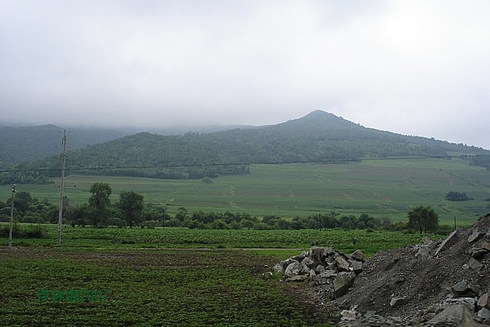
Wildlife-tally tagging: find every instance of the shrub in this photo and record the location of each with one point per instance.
(32, 231)
(457, 196)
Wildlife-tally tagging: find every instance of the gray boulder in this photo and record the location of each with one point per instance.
(453, 315)
(343, 282)
(293, 269)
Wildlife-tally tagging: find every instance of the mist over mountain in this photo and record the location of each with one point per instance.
(316, 137)
(21, 144)
(30, 143)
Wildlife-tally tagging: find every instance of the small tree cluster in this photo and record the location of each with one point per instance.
(29, 210)
(423, 219)
(229, 220)
(100, 212)
(457, 196)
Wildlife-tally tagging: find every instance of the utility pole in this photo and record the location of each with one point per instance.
(62, 188)
(11, 217)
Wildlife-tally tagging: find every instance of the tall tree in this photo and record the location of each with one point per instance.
(423, 218)
(22, 203)
(131, 206)
(99, 202)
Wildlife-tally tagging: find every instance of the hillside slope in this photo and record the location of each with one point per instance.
(316, 137)
(26, 144)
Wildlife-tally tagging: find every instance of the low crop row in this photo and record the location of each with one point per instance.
(369, 241)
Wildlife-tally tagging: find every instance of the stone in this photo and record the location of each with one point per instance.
(319, 269)
(475, 236)
(325, 277)
(316, 253)
(342, 264)
(331, 266)
(475, 264)
(462, 289)
(426, 241)
(358, 255)
(312, 274)
(343, 282)
(287, 262)
(301, 256)
(484, 301)
(293, 269)
(484, 314)
(328, 251)
(478, 253)
(486, 246)
(448, 242)
(398, 301)
(357, 266)
(452, 315)
(330, 273)
(423, 251)
(350, 314)
(278, 268)
(309, 262)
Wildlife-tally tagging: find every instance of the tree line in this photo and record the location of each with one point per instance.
(130, 210)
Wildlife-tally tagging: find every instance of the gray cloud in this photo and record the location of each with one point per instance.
(413, 67)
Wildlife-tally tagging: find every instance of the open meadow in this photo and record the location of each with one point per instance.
(167, 276)
(380, 188)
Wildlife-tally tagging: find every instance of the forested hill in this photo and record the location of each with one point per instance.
(25, 144)
(317, 137)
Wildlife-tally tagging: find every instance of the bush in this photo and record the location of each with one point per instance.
(150, 224)
(457, 196)
(118, 222)
(444, 229)
(32, 231)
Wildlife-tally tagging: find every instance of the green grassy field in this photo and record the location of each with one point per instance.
(278, 242)
(381, 188)
(167, 276)
(185, 277)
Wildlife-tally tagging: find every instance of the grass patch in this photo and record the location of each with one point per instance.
(369, 241)
(380, 188)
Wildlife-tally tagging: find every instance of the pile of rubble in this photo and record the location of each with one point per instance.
(330, 270)
(437, 283)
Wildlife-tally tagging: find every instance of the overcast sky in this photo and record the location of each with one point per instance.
(417, 67)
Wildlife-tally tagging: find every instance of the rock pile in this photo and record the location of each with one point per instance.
(333, 270)
(431, 284)
(436, 283)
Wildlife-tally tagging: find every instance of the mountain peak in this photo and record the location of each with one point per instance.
(320, 120)
(324, 115)
(319, 113)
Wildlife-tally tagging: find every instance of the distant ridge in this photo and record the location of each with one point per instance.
(25, 144)
(317, 137)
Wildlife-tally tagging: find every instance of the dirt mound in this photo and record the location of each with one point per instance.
(407, 282)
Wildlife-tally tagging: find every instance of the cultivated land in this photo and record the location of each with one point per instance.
(167, 276)
(381, 188)
(191, 277)
(282, 243)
